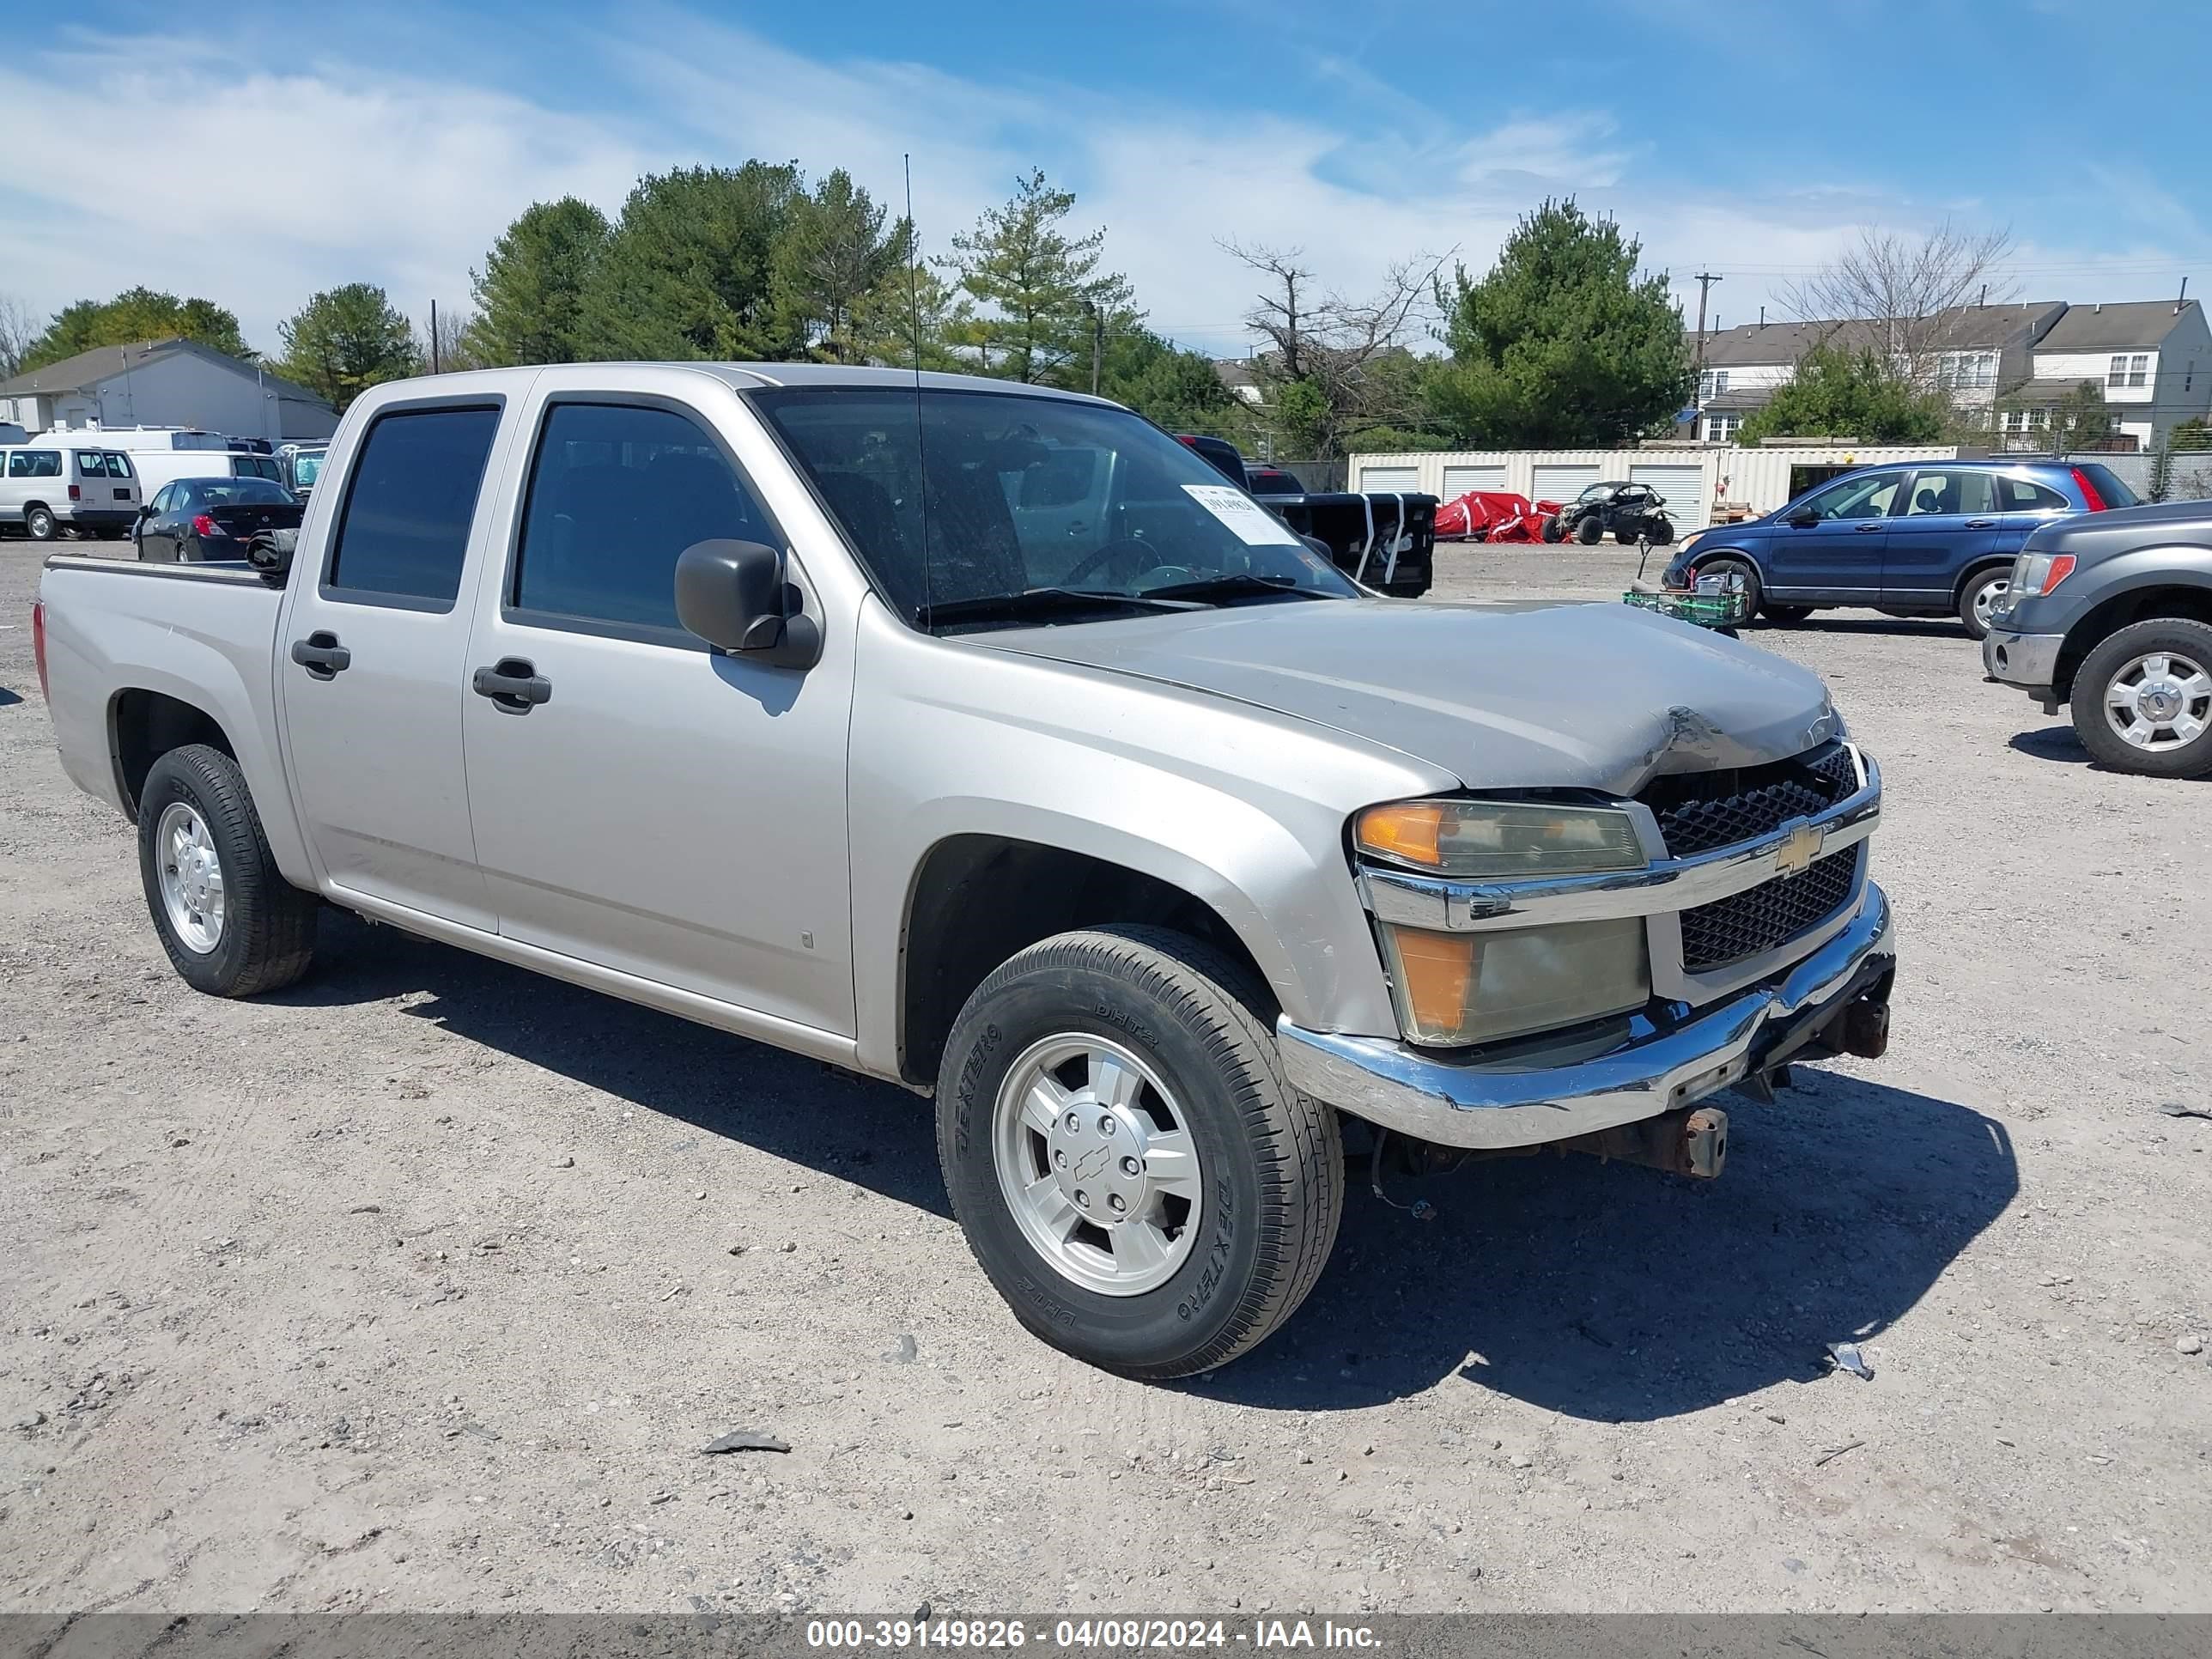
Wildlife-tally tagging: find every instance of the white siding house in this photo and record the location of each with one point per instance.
(2152, 360)
(166, 383)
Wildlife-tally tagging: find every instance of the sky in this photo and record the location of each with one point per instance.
(253, 153)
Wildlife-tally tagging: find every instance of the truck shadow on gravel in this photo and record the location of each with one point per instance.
(1617, 1294)
(871, 1133)
(2051, 743)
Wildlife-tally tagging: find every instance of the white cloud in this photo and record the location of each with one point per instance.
(256, 188)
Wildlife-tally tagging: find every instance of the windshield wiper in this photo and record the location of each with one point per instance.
(1038, 602)
(1217, 590)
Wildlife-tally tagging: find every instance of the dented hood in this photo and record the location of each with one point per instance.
(1579, 696)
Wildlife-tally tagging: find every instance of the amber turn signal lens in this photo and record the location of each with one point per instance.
(1437, 968)
(1408, 830)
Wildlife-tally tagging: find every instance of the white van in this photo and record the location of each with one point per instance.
(51, 485)
(157, 467)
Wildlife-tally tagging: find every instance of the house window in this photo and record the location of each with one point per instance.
(1719, 429)
(1711, 381)
(2128, 368)
(1968, 369)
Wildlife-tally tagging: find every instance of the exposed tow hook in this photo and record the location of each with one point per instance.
(1690, 1142)
(1866, 1029)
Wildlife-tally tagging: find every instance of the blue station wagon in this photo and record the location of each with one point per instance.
(1930, 539)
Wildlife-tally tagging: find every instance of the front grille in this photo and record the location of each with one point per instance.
(1699, 811)
(1773, 912)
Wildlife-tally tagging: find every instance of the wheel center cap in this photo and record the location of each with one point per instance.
(1098, 1161)
(2161, 700)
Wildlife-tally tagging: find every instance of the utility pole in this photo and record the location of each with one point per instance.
(1705, 280)
(1097, 342)
(434, 336)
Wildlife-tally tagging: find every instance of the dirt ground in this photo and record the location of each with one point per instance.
(423, 1284)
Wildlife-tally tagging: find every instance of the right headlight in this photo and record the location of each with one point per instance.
(2034, 575)
(1460, 987)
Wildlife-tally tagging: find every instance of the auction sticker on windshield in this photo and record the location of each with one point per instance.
(1255, 526)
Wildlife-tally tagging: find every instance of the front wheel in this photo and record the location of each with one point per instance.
(2142, 699)
(231, 923)
(1740, 568)
(1591, 530)
(1552, 530)
(1978, 598)
(1131, 1168)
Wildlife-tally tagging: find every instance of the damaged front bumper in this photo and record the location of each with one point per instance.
(1834, 999)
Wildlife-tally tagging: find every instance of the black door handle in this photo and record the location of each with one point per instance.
(321, 655)
(512, 682)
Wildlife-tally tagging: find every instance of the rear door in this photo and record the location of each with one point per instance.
(664, 810)
(1827, 549)
(1947, 519)
(373, 654)
(122, 480)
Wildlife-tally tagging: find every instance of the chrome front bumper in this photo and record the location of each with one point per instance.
(2029, 661)
(1525, 1103)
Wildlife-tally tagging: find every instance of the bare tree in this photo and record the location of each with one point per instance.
(18, 329)
(451, 349)
(1336, 366)
(1911, 298)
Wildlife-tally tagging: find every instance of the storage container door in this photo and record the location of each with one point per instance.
(1683, 489)
(1458, 480)
(1562, 484)
(1388, 478)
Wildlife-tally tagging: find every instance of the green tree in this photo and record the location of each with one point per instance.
(1562, 345)
(345, 340)
(687, 274)
(833, 252)
(135, 315)
(2080, 420)
(1038, 284)
(1836, 393)
(909, 308)
(1178, 389)
(529, 292)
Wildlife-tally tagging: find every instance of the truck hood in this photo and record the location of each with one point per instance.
(1577, 695)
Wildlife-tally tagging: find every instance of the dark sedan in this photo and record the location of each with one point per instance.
(195, 519)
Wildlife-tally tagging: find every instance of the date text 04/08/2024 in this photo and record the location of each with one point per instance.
(855, 1635)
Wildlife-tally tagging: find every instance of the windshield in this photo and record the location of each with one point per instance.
(304, 468)
(1026, 492)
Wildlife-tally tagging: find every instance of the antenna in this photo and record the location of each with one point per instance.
(914, 335)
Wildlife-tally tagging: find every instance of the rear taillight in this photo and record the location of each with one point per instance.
(76, 493)
(2090, 498)
(203, 525)
(38, 645)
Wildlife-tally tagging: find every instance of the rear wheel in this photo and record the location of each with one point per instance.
(231, 923)
(1661, 530)
(1131, 1168)
(2142, 699)
(38, 524)
(1978, 598)
(1552, 530)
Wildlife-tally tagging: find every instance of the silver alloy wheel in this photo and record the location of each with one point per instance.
(1096, 1161)
(2159, 702)
(1986, 598)
(191, 878)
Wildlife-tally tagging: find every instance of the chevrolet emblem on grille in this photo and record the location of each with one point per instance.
(1798, 849)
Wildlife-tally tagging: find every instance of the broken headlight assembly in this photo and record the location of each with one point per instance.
(1455, 988)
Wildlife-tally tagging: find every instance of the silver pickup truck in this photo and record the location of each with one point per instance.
(983, 739)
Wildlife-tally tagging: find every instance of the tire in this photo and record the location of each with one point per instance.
(254, 931)
(1975, 598)
(2185, 649)
(1589, 530)
(1728, 565)
(1661, 530)
(1258, 1219)
(1552, 530)
(38, 524)
(1785, 615)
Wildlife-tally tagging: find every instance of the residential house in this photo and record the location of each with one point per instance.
(1972, 353)
(2151, 358)
(166, 383)
(1237, 377)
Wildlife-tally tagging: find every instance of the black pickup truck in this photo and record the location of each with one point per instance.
(1385, 540)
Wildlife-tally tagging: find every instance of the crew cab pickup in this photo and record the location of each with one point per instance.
(1149, 845)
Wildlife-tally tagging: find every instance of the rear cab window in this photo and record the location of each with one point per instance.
(403, 531)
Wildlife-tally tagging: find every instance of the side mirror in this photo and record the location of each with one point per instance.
(270, 553)
(734, 595)
(1802, 520)
(145, 509)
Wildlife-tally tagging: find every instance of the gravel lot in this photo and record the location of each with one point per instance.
(421, 1285)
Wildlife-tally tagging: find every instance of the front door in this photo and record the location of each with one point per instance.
(641, 801)
(1827, 549)
(372, 658)
(1949, 517)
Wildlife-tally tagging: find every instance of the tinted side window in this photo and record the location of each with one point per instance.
(1867, 497)
(2021, 496)
(35, 464)
(405, 527)
(91, 464)
(616, 495)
